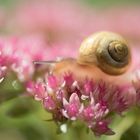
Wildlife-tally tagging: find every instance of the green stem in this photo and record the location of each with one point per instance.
(122, 127)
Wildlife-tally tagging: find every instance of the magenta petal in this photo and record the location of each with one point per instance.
(88, 114)
(52, 81)
(68, 78)
(49, 103)
(88, 87)
(74, 99)
(39, 91)
(101, 127)
(72, 107)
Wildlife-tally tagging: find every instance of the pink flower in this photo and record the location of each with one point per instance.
(49, 103)
(88, 87)
(40, 93)
(52, 81)
(73, 99)
(18, 54)
(88, 113)
(101, 127)
(72, 108)
(68, 78)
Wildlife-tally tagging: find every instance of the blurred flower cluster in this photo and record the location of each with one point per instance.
(18, 54)
(45, 30)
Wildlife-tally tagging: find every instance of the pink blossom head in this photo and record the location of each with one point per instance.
(67, 100)
(18, 53)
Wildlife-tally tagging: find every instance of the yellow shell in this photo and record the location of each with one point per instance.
(109, 51)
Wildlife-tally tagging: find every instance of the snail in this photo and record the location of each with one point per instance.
(107, 50)
(102, 52)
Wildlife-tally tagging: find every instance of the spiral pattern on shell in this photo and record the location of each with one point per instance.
(118, 51)
(107, 50)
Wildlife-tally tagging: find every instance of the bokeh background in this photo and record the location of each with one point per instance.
(61, 25)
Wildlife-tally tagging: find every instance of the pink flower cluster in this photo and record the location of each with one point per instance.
(76, 22)
(17, 55)
(87, 100)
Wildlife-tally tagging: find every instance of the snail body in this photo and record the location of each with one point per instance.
(82, 71)
(103, 54)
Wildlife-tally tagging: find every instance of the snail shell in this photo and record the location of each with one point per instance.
(107, 50)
